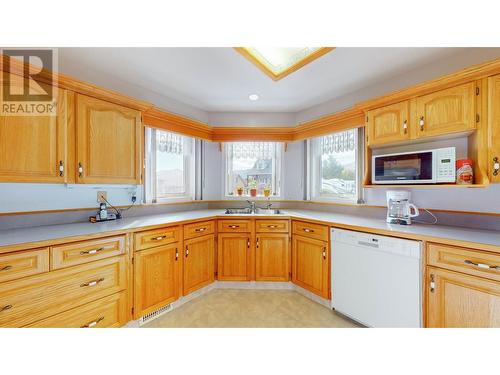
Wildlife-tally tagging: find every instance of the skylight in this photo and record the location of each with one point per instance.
(278, 62)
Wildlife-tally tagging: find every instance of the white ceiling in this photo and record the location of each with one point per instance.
(220, 79)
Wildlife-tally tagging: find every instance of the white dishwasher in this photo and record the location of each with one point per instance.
(376, 280)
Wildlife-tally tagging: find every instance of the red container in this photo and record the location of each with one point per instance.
(465, 172)
(253, 192)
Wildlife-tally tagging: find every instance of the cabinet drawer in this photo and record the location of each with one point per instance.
(106, 312)
(156, 237)
(38, 297)
(229, 226)
(268, 226)
(198, 229)
(72, 254)
(21, 264)
(319, 232)
(464, 260)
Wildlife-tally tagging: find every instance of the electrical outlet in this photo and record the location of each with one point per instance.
(102, 196)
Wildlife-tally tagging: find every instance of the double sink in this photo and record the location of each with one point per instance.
(250, 211)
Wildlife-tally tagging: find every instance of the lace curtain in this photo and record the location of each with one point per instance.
(252, 150)
(338, 142)
(169, 142)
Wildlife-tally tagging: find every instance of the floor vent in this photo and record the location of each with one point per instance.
(155, 314)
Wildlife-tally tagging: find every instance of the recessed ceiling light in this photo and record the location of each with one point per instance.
(253, 97)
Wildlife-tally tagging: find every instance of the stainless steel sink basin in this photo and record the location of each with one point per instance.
(248, 211)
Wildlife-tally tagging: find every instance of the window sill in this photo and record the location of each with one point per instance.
(248, 197)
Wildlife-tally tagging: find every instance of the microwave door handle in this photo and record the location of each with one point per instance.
(415, 210)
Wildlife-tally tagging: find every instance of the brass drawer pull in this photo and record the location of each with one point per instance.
(307, 230)
(481, 265)
(5, 308)
(6, 268)
(272, 226)
(159, 238)
(92, 283)
(94, 323)
(234, 226)
(200, 229)
(91, 252)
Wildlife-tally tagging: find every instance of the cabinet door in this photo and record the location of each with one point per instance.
(389, 124)
(198, 263)
(494, 127)
(310, 265)
(156, 278)
(459, 300)
(108, 142)
(445, 112)
(234, 256)
(272, 257)
(34, 147)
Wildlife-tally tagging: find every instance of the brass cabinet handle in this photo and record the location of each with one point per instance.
(432, 284)
(187, 251)
(421, 123)
(200, 229)
(92, 283)
(496, 166)
(176, 254)
(405, 126)
(91, 252)
(257, 243)
(159, 238)
(6, 268)
(234, 226)
(93, 323)
(80, 169)
(6, 307)
(307, 230)
(481, 265)
(324, 253)
(61, 168)
(272, 226)
(248, 243)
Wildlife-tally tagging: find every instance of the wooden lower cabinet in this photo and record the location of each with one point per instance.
(157, 272)
(272, 258)
(310, 268)
(198, 268)
(457, 300)
(234, 256)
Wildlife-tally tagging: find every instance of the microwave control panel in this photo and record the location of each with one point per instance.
(445, 165)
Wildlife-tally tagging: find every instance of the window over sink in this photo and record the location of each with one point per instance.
(253, 169)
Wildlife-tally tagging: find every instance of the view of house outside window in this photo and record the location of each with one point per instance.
(253, 168)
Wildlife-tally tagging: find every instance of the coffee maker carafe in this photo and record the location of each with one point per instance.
(399, 208)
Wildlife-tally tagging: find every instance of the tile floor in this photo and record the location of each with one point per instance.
(224, 308)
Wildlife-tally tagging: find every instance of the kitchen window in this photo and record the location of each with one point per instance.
(335, 167)
(169, 166)
(253, 169)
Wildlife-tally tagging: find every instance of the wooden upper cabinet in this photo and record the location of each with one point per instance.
(310, 265)
(33, 148)
(457, 300)
(234, 256)
(494, 127)
(156, 278)
(444, 112)
(272, 259)
(389, 124)
(108, 142)
(198, 263)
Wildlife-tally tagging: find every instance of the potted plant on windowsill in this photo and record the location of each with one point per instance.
(252, 185)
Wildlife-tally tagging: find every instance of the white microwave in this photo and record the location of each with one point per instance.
(418, 167)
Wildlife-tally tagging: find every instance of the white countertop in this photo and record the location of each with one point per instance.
(19, 236)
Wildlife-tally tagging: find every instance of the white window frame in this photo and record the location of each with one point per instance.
(314, 173)
(277, 175)
(150, 170)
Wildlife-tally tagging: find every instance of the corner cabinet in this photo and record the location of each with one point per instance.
(389, 124)
(494, 127)
(34, 148)
(108, 142)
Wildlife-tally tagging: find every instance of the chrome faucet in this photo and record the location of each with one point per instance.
(253, 208)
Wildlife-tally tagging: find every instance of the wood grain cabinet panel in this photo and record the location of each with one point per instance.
(233, 257)
(108, 142)
(447, 111)
(34, 147)
(272, 260)
(156, 237)
(271, 226)
(311, 230)
(25, 263)
(389, 124)
(199, 229)
(457, 300)
(37, 297)
(494, 127)
(107, 312)
(235, 226)
(157, 272)
(72, 254)
(310, 265)
(199, 263)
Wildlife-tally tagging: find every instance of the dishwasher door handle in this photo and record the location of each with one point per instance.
(365, 243)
